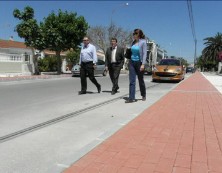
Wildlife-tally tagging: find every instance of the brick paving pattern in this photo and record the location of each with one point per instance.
(181, 133)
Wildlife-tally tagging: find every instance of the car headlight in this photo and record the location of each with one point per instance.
(178, 70)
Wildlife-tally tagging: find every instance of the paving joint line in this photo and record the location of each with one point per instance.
(190, 91)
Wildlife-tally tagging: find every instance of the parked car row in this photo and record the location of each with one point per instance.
(100, 69)
(165, 70)
(190, 70)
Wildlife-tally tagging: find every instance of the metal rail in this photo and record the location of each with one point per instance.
(61, 118)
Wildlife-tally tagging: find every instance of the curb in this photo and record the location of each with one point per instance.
(33, 77)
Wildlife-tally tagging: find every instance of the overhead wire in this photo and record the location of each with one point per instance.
(190, 10)
(191, 18)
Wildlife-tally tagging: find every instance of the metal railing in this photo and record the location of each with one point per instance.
(14, 57)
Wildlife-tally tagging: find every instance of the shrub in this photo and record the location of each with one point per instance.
(47, 64)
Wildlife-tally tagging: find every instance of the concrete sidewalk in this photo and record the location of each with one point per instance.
(33, 77)
(180, 133)
(215, 79)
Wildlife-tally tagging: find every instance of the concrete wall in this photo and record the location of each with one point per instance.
(16, 63)
(10, 67)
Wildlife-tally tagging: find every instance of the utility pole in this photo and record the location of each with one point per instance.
(195, 52)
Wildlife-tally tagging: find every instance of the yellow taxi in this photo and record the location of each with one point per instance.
(168, 70)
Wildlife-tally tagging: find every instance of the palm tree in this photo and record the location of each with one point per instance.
(213, 47)
(200, 63)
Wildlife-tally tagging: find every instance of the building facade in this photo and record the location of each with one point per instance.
(15, 58)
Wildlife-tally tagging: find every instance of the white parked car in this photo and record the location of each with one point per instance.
(100, 69)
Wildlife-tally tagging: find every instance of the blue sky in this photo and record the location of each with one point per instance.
(165, 22)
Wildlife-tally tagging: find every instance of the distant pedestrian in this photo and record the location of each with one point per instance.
(87, 61)
(114, 63)
(136, 65)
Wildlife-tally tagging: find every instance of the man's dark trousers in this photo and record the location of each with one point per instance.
(87, 68)
(114, 71)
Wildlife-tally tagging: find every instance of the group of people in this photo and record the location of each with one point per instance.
(114, 61)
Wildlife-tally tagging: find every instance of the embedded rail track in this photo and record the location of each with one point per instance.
(61, 118)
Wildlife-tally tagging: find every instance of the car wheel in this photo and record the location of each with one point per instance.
(104, 73)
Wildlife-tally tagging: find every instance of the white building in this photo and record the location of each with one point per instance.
(15, 58)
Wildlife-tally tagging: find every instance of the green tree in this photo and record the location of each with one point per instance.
(200, 63)
(72, 57)
(47, 64)
(211, 51)
(205, 64)
(30, 30)
(183, 61)
(63, 31)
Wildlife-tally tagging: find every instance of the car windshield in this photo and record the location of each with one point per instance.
(172, 62)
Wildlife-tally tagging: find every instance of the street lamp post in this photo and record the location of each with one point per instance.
(111, 21)
(114, 10)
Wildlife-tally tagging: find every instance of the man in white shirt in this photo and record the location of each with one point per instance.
(87, 61)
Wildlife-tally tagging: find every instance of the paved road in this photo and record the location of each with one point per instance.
(53, 148)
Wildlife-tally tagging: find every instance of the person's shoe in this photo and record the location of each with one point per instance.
(143, 98)
(99, 88)
(113, 92)
(117, 89)
(130, 101)
(82, 92)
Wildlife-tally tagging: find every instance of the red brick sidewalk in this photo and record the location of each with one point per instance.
(181, 133)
